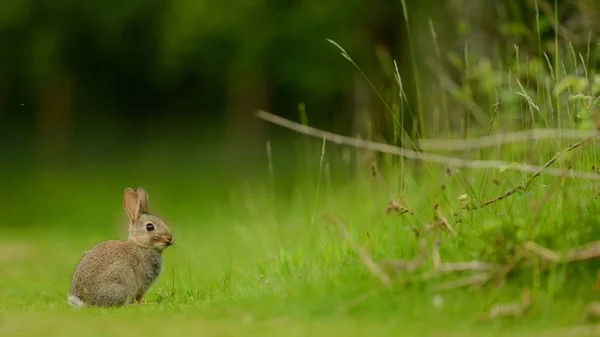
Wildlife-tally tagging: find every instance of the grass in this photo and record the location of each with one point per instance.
(255, 262)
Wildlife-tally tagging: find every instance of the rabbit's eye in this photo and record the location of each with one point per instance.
(149, 227)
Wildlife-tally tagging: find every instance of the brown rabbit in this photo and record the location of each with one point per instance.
(116, 273)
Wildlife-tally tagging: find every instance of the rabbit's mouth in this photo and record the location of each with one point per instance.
(164, 242)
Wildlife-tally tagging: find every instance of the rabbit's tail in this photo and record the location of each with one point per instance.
(75, 301)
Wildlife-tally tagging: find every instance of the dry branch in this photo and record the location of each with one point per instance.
(543, 252)
(451, 267)
(501, 139)
(422, 156)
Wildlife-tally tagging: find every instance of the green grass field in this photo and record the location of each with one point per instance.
(261, 259)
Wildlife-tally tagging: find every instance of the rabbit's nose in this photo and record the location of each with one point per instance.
(169, 238)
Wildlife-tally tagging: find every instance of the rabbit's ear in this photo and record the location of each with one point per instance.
(131, 204)
(143, 196)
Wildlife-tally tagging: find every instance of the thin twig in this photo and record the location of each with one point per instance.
(503, 271)
(456, 267)
(544, 252)
(523, 186)
(410, 154)
(409, 265)
(463, 282)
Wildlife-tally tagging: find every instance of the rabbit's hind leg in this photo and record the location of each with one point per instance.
(114, 295)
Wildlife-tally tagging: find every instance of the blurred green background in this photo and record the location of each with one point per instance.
(97, 96)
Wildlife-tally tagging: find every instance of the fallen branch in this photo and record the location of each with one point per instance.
(585, 252)
(450, 144)
(500, 271)
(422, 156)
(472, 280)
(543, 252)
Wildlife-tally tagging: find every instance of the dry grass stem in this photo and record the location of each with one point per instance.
(539, 206)
(410, 266)
(398, 266)
(366, 258)
(398, 206)
(506, 269)
(451, 267)
(585, 252)
(437, 258)
(422, 156)
(444, 221)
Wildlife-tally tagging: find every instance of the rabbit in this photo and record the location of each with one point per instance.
(116, 273)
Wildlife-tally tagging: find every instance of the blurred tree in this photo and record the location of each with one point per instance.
(71, 70)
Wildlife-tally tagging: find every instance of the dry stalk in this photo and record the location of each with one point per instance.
(444, 220)
(587, 330)
(523, 186)
(457, 267)
(506, 269)
(398, 206)
(586, 252)
(452, 267)
(489, 270)
(435, 255)
(410, 266)
(366, 258)
(415, 155)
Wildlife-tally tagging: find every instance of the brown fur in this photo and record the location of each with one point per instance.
(116, 273)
